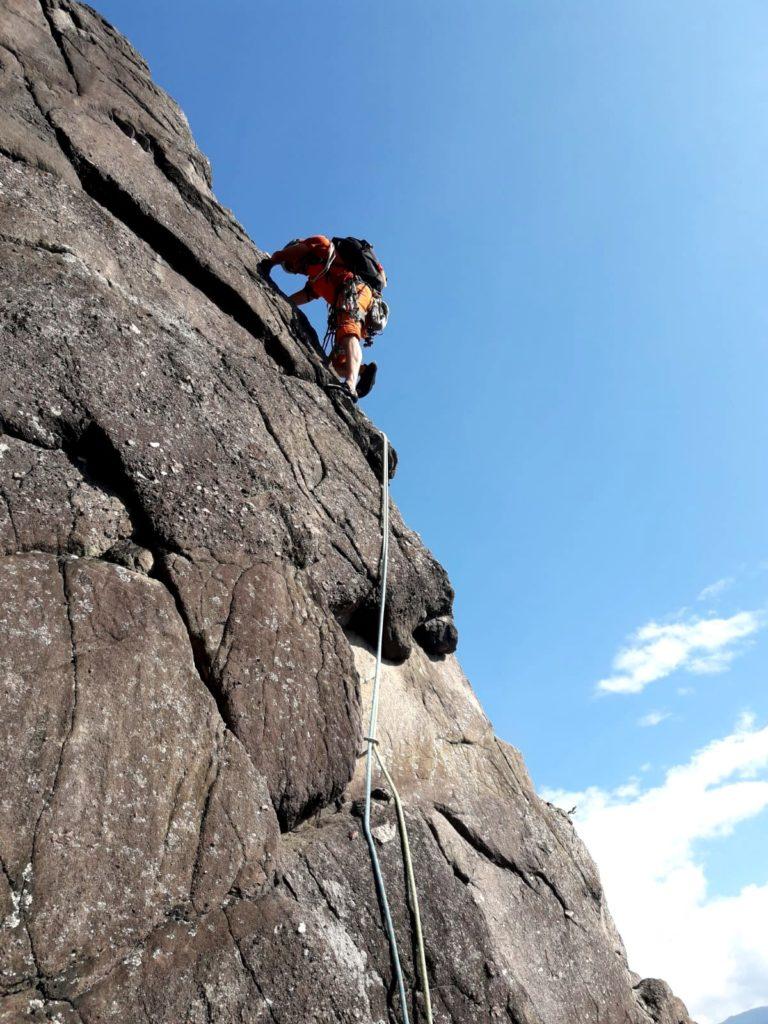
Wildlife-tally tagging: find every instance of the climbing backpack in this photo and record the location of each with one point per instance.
(358, 256)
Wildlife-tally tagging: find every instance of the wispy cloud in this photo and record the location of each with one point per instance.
(710, 948)
(716, 588)
(697, 645)
(653, 718)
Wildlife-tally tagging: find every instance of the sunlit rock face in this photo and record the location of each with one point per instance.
(189, 544)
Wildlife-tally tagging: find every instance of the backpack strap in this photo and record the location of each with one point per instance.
(327, 267)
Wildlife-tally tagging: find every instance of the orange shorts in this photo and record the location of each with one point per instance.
(347, 324)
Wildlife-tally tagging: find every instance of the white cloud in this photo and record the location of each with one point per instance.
(716, 588)
(653, 718)
(656, 650)
(710, 948)
(746, 721)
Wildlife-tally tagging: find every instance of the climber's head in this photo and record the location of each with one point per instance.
(296, 259)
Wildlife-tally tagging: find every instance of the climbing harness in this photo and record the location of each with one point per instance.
(372, 750)
(374, 319)
(347, 305)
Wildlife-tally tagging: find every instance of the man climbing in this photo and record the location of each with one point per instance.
(346, 273)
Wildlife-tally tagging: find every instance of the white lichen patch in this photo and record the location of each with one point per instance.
(384, 833)
(351, 960)
(133, 960)
(14, 918)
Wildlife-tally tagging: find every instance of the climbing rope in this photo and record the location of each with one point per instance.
(413, 894)
(371, 751)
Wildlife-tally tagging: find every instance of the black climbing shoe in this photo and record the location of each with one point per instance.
(366, 380)
(343, 389)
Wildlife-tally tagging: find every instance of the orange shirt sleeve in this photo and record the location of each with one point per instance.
(313, 249)
(292, 251)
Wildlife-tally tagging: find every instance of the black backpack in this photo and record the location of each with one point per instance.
(358, 256)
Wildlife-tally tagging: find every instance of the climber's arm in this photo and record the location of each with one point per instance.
(290, 256)
(301, 297)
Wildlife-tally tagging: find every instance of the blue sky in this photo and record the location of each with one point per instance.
(570, 201)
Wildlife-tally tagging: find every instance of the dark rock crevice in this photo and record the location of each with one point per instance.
(100, 463)
(214, 768)
(200, 656)
(93, 453)
(11, 519)
(57, 38)
(520, 1008)
(109, 193)
(550, 885)
(476, 841)
(19, 434)
(201, 165)
(462, 876)
(188, 194)
(9, 154)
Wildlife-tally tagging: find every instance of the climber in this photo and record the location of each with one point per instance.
(346, 273)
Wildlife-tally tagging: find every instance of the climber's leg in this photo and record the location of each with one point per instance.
(347, 358)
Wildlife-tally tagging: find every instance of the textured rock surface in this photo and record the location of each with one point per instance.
(189, 533)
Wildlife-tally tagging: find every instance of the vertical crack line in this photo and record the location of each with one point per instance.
(320, 887)
(512, 771)
(200, 658)
(215, 662)
(64, 570)
(11, 519)
(170, 822)
(214, 768)
(250, 971)
(24, 979)
(59, 41)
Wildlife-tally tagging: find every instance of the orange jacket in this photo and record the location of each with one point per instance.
(310, 256)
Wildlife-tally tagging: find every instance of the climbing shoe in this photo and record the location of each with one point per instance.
(343, 389)
(366, 380)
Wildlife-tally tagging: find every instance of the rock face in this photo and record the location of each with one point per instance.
(190, 537)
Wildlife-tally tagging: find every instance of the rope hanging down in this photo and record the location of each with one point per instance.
(371, 751)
